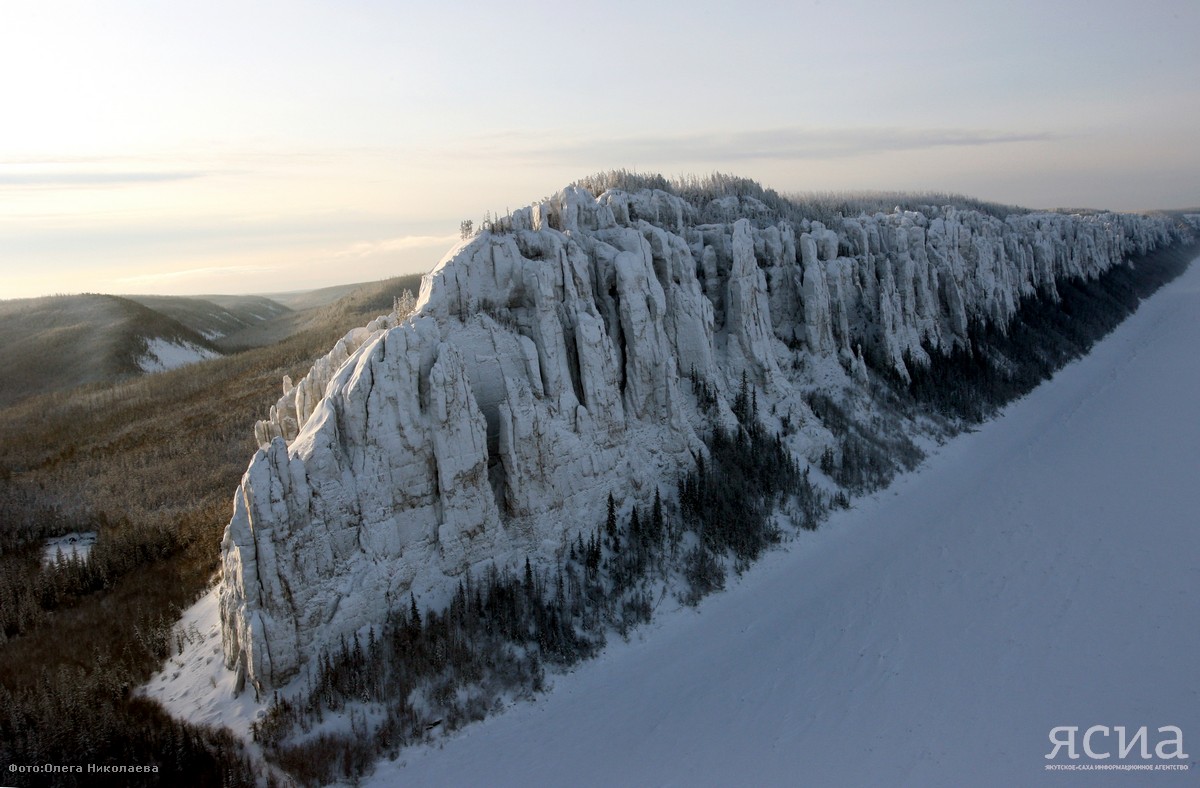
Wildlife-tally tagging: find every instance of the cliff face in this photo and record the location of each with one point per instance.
(549, 365)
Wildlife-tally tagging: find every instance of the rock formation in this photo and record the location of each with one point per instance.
(548, 365)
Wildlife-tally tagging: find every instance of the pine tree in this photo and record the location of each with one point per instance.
(529, 587)
(741, 402)
(656, 518)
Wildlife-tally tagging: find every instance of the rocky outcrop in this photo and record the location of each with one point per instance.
(299, 400)
(549, 364)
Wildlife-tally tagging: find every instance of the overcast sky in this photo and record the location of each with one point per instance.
(193, 147)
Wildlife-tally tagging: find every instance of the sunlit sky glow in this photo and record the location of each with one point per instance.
(232, 147)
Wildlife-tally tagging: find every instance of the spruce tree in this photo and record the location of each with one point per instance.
(656, 518)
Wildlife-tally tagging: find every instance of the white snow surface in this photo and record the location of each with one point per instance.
(194, 685)
(72, 545)
(163, 354)
(1038, 572)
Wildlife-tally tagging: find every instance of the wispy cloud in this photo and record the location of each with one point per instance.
(399, 244)
(778, 143)
(92, 179)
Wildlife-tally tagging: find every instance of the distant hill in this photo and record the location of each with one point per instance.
(307, 299)
(60, 342)
(57, 343)
(215, 316)
(314, 309)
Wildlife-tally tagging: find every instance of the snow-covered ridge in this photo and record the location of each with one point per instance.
(546, 367)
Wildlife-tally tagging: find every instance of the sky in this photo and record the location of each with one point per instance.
(259, 147)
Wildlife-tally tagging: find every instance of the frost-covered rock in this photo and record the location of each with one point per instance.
(298, 402)
(550, 365)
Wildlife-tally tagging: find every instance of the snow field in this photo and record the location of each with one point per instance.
(162, 355)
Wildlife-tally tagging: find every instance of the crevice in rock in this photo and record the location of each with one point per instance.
(571, 343)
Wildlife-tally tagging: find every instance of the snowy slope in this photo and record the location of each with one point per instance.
(163, 354)
(194, 685)
(1039, 572)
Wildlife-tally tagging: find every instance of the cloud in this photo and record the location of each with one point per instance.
(787, 143)
(85, 179)
(399, 244)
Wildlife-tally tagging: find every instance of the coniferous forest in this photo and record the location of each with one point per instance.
(147, 465)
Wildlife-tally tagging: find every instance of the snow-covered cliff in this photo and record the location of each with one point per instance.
(549, 365)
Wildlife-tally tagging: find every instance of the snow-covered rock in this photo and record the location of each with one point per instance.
(547, 366)
(298, 402)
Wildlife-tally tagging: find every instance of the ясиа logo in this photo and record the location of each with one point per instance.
(1098, 742)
